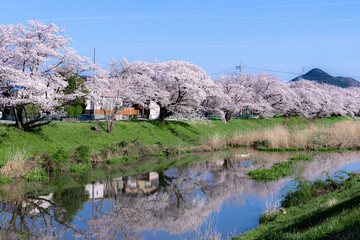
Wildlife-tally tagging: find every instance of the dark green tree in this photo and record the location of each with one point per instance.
(76, 83)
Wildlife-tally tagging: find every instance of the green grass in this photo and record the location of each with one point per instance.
(58, 145)
(121, 160)
(300, 149)
(300, 157)
(335, 215)
(36, 175)
(279, 170)
(70, 136)
(268, 217)
(305, 190)
(79, 167)
(79, 176)
(5, 179)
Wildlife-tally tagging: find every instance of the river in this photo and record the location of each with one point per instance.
(191, 201)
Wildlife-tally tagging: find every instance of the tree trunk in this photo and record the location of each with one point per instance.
(19, 110)
(164, 113)
(110, 120)
(228, 115)
(24, 124)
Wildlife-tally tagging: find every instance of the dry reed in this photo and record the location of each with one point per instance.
(346, 133)
(216, 141)
(17, 163)
(208, 230)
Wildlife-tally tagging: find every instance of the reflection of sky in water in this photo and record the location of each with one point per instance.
(351, 167)
(229, 202)
(239, 215)
(231, 219)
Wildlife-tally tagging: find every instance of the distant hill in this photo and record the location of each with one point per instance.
(320, 76)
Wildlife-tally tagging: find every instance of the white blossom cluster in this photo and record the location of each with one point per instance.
(179, 87)
(36, 59)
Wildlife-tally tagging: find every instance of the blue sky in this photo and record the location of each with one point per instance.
(217, 35)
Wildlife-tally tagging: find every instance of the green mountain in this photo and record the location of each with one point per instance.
(322, 77)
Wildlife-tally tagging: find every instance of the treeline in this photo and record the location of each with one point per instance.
(37, 64)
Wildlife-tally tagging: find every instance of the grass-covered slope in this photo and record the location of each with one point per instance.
(68, 136)
(332, 216)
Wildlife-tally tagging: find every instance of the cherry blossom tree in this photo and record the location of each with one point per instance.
(35, 60)
(343, 101)
(314, 98)
(235, 94)
(178, 87)
(269, 95)
(352, 101)
(106, 93)
(266, 96)
(261, 94)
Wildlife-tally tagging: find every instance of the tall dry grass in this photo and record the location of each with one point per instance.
(208, 231)
(17, 162)
(345, 133)
(271, 206)
(216, 141)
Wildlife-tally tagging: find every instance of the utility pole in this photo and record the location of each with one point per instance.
(94, 55)
(239, 68)
(93, 104)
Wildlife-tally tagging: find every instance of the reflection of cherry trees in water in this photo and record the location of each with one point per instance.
(176, 201)
(33, 218)
(183, 200)
(41, 217)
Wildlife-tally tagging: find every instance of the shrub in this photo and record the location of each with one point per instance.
(5, 179)
(279, 170)
(78, 110)
(36, 175)
(294, 149)
(302, 192)
(262, 148)
(71, 110)
(163, 154)
(300, 157)
(79, 167)
(123, 159)
(268, 217)
(61, 156)
(261, 143)
(305, 190)
(83, 154)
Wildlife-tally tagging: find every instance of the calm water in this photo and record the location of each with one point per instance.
(186, 202)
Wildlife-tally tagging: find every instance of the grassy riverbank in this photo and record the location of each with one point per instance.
(68, 136)
(73, 146)
(335, 215)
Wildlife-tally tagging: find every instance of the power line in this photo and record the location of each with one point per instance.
(240, 67)
(222, 71)
(263, 69)
(271, 70)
